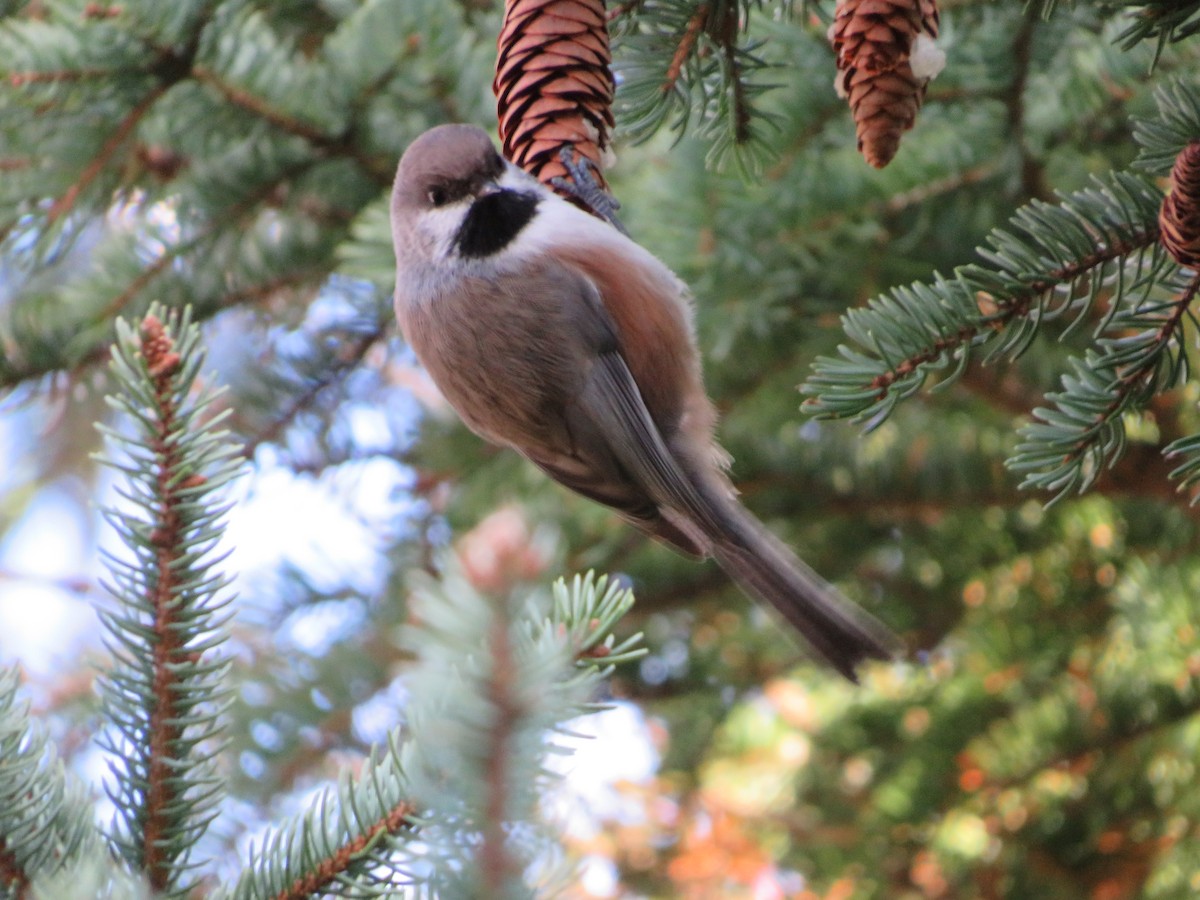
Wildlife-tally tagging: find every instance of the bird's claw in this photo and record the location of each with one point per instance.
(584, 186)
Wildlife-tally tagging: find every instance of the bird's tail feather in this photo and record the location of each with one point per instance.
(839, 632)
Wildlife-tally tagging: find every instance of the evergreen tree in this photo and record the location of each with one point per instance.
(233, 159)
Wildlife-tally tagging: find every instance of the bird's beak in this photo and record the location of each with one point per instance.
(487, 189)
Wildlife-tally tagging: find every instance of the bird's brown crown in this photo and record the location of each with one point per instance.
(444, 165)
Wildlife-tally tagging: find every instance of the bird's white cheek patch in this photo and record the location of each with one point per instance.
(440, 226)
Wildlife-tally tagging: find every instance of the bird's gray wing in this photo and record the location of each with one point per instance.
(614, 433)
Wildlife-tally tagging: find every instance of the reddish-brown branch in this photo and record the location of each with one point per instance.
(256, 293)
(163, 734)
(336, 144)
(169, 256)
(148, 274)
(1136, 375)
(725, 31)
(101, 11)
(494, 860)
(938, 187)
(259, 107)
(66, 202)
(356, 351)
(253, 294)
(326, 874)
(1012, 308)
(20, 79)
(687, 44)
(1100, 747)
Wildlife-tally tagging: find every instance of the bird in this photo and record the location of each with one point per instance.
(551, 332)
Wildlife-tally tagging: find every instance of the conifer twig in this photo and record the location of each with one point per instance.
(20, 79)
(496, 865)
(1085, 424)
(346, 362)
(162, 363)
(291, 124)
(328, 872)
(163, 692)
(179, 250)
(925, 325)
(739, 102)
(1014, 306)
(259, 107)
(685, 48)
(623, 9)
(108, 150)
(45, 815)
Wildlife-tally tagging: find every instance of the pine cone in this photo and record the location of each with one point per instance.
(885, 106)
(874, 35)
(553, 84)
(1179, 217)
(885, 58)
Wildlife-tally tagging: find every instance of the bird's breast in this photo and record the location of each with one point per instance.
(495, 350)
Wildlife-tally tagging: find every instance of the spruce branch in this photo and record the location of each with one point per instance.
(587, 611)
(345, 844)
(58, 64)
(497, 866)
(1069, 445)
(343, 363)
(336, 144)
(164, 693)
(305, 368)
(104, 157)
(1176, 124)
(259, 107)
(498, 673)
(620, 10)
(45, 818)
(458, 785)
(1051, 261)
(80, 335)
(240, 113)
(1162, 21)
(20, 79)
(1186, 451)
(685, 62)
(685, 48)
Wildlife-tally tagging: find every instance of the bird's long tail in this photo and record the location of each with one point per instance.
(839, 632)
(698, 513)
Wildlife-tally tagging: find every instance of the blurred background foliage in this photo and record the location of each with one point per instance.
(1042, 738)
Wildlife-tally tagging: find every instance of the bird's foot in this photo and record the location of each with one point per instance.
(585, 187)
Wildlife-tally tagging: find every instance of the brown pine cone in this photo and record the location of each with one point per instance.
(1179, 217)
(874, 35)
(885, 59)
(885, 106)
(553, 83)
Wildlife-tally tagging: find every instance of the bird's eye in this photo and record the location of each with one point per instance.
(438, 196)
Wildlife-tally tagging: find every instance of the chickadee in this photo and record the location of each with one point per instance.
(552, 333)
